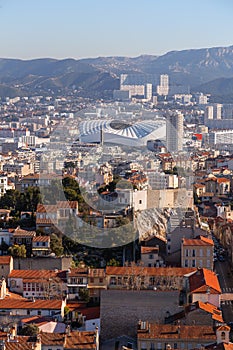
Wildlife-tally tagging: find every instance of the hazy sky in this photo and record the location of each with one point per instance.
(91, 28)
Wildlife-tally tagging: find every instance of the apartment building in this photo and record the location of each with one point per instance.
(197, 252)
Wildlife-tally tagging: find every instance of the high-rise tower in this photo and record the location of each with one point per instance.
(174, 132)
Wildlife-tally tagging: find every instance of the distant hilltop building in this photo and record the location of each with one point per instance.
(137, 85)
(174, 132)
(219, 116)
(163, 87)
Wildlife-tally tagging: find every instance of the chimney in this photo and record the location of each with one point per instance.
(13, 331)
(68, 331)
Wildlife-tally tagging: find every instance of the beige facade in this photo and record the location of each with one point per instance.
(150, 257)
(6, 265)
(198, 252)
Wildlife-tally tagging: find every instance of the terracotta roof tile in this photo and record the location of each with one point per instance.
(52, 339)
(204, 280)
(161, 331)
(5, 260)
(41, 239)
(80, 340)
(77, 272)
(202, 241)
(149, 250)
(27, 304)
(149, 271)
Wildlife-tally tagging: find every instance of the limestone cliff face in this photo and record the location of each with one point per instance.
(152, 223)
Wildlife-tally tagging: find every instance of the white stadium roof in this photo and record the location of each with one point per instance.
(122, 132)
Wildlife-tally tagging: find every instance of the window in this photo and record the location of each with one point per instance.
(140, 201)
(113, 280)
(201, 252)
(186, 263)
(223, 336)
(39, 312)
(175, 345)
(152, 281)
(193, 263)
(208, 252)
(101, 280)
(186, 252)
(194, 252)
(151, 256)
(143, 346)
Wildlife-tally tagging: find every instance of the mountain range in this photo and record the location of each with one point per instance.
(209, 70)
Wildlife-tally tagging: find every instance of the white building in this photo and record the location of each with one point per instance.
(148, 92)
(3, 184)
(132, 198)
(221, 137)
(163, 87)
(175, 130)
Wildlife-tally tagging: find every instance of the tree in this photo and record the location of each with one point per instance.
(84, 294)
(113, 262)
(8, 201)
(30, 330)
(56, 245)
(18, 251)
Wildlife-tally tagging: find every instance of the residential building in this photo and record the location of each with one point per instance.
(41, 246)
(77, 278)
(97, 282)
(72, 340)
(57, 215)
(22, 307)
(6, 266)
(203, 285)
(160, 336)
(197, 252)
(6, 238)
(140, 277)
(23, 237)
(45, 284)
(3, 184)
(197, 313)
(150, 257)
(163, 87)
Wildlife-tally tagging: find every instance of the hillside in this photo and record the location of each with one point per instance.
(98, 77)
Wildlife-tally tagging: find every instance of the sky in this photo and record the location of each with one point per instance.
(92, 28)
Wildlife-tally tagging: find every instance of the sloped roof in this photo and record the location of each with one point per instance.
(201, 241)
(203, 281)
(167, 331)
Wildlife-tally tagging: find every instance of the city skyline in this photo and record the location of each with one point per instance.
(79, 29)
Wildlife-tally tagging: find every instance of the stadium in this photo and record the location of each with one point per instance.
(122, 133)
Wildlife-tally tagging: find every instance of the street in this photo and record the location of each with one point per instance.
(225, 278)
